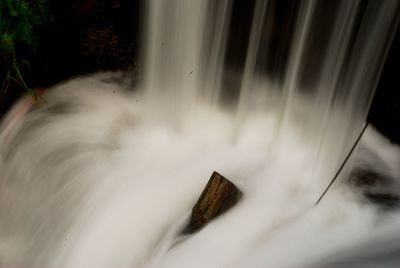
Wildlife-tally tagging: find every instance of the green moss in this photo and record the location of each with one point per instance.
(19, 20)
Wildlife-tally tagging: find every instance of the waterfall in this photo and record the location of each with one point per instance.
(311, 63)
(269, 93)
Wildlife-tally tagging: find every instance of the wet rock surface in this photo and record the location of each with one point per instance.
(218, 196)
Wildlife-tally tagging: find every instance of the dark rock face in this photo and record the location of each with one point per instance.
(372, 180)
(385, 200)
(364, 178)
(376, 188)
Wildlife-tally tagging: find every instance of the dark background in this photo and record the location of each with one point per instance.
(81, 37)
(385, 109)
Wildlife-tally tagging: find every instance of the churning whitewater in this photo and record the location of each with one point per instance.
(88, 182)
(104, 172)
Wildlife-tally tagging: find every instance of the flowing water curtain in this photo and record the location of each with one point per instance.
(336, 50)
(313, 64)
(184, 52)
(350, 73)
(247, 84)
(173, 37)
(214, 49)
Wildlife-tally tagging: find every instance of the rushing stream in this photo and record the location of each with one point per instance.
(271, 94)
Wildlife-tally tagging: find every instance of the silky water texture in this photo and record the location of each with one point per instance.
(89, 180)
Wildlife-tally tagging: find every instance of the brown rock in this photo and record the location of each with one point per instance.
(218, 196)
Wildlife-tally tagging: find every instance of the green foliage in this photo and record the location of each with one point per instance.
(19, 20)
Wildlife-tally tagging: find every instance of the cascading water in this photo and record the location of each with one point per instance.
(328, 59)
(271, 94)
